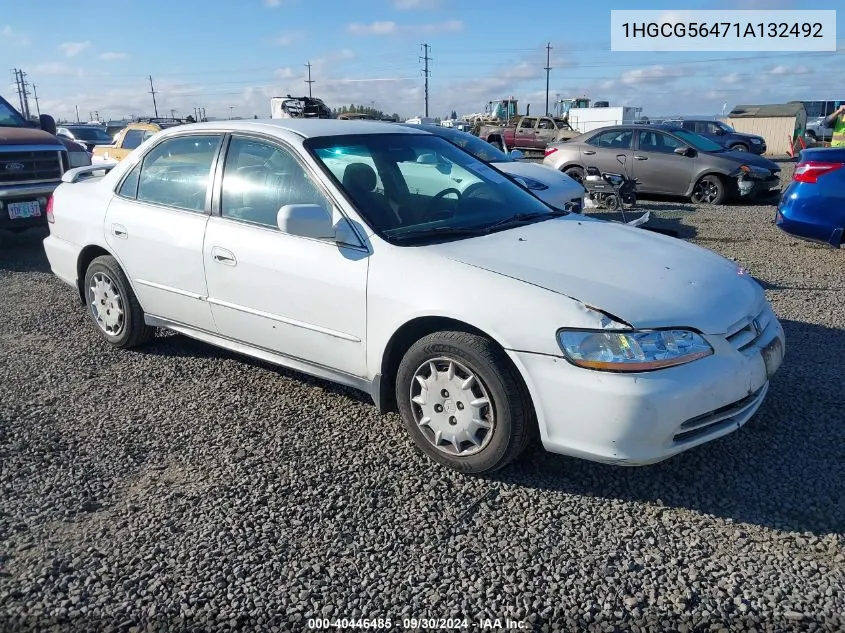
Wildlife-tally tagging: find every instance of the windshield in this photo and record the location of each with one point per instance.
(9, 117)
(727, 128)
(415, 187)
(90, 134)
(482, 150)
(697, 141)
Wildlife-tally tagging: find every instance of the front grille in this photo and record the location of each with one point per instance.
(27, 167)
(747, 333)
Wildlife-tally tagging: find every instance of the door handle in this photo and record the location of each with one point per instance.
(118, 230)
(223, 256)
(589, 152)
(640, 157)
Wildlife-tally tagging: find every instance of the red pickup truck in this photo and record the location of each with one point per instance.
(528, 134)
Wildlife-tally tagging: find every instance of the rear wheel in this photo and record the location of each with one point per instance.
(113, 306)
(463, 402)
(576, 173)
(709, 190)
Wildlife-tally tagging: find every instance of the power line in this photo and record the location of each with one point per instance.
(153, 93)
(427, 72)
(309, 81)
(548, 70)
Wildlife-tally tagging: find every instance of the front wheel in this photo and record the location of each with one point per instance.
(709, 190)
(739, 147)
(463, 402)
(113, 306)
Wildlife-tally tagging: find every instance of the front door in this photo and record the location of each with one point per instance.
(524, 133)
(299, 297)
(156, 223)
(656, 165)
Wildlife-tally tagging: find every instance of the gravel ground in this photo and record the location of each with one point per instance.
(178, 487)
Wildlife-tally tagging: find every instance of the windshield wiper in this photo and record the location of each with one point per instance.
(527, 217)
(441, 231)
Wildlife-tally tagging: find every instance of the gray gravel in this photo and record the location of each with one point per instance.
(178, 487)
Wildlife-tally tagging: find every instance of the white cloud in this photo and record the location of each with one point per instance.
(790, 70)
(289, 38)
(405, 5)
(271, 4)
(113, 56)
(57, 68)
(392, 28)
(733, 78)
(10, 34)
(72, 49)
(651, 75)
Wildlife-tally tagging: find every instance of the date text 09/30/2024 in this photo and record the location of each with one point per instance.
(434, 624)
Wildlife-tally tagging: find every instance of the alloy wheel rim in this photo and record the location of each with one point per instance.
(707, 191)
(452, 407)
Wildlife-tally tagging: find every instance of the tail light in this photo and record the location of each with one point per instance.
(50, 218)
(550, 150)
(809, 171)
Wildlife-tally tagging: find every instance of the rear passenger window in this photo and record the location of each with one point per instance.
(132, 139)
(176, 173)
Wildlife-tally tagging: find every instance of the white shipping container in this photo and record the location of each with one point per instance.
(589, 119)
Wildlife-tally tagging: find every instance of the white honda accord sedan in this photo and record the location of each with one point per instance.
(484, 316)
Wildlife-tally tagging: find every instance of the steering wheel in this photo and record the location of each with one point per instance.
(436, 199)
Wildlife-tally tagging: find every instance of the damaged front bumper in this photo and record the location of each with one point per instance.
(755, 182)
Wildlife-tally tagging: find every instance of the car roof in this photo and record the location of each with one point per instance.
(306, 128)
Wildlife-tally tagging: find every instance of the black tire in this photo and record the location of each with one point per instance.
(497, 143)
(513, 423)
(739, 147)
(576, 173)
(611, 203)
(709, 190)
(133, 330)
(811, 136)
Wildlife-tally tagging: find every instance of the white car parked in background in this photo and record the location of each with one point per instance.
(483, 317)
(549, 184)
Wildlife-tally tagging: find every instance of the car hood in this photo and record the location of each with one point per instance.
(747, 158)
(549, 176)
(26, 136)
(636, 276)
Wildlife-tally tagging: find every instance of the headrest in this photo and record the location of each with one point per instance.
(360, 176)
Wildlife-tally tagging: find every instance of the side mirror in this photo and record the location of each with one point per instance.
(516, 154)
(306, 220)
(684, 151)
(427, 159)
(47, 123)
(720, 131)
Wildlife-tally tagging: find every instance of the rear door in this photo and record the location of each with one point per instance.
(609, 151)
(656, 165)
(155, 227)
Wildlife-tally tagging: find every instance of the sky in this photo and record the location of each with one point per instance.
(231, 56)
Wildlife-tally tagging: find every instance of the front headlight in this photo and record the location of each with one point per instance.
(530, 183)
(78, 159)
(756, 141)
(631, 350)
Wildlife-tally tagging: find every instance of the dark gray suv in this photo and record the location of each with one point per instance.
(667, 161)
(723, 134)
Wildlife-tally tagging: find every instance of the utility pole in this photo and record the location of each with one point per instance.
(426, 72)
(77, 114)
(18, 86)
(548, 69)
(309, 81)
(24, 94)
(153, 93)
(35, 94)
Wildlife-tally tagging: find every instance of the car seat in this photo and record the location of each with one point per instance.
(360, 181)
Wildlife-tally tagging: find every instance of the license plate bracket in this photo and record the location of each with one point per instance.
(23, 210)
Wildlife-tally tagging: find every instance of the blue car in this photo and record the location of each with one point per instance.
(812, 207)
